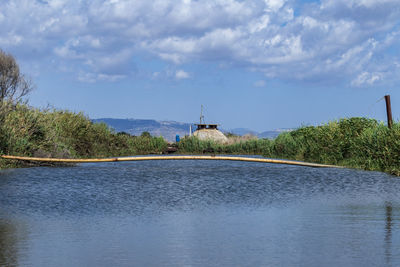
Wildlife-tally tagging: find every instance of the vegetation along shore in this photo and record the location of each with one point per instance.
(351, 142)
(354, 142)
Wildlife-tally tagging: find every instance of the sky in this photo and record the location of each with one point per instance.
(261, 64)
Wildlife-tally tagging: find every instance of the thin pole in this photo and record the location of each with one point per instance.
(388, 111)
(201, 115)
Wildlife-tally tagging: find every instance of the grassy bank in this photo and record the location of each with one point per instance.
(355, 142)
(27, 131)
(193, 145)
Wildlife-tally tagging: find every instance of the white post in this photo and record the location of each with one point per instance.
(190, 130)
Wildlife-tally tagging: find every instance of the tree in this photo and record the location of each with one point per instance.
(13, 85)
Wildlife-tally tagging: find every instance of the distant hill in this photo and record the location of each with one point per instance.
(169, 129)
(242, 131)
(274, 133)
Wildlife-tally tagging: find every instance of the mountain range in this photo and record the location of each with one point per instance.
(169, 129)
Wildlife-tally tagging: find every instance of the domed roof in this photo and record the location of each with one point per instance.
(211, 134)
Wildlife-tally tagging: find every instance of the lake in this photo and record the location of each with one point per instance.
(198, 213)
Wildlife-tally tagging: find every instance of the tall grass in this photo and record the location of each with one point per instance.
(28, 131)
(353, 142)
(246, 146)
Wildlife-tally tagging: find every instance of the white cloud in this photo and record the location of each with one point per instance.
(349, 39)
(274, 5)
(95, 77)
(366, 78)
(181, 74)
(11, 40)
(169, 73)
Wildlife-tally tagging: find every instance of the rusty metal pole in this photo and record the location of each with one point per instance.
(388, 111)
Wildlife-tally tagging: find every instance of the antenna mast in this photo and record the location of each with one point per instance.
(201, 115)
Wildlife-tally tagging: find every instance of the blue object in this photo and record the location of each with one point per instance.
(177, 138)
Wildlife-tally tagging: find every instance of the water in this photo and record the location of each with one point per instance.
(198, 213)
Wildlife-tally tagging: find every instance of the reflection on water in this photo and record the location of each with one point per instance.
(388, 234)
(8, 246)
(178, 213)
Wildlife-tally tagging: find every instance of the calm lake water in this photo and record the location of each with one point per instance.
(198, 213)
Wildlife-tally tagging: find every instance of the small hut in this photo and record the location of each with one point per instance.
(210, 132)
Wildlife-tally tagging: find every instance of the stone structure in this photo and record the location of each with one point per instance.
(210, 132)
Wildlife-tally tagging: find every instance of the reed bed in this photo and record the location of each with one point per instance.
(27, 131)
(352, 142)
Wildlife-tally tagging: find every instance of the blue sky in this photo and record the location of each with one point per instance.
(256, 64)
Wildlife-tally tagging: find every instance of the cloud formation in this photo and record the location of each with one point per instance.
(336, 41)
(181, 74)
